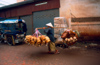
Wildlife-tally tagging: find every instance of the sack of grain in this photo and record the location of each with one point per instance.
(28, 38)
(47, 39)
(42, 37)
(64, 35)
(38, 42)
(69, 36)
(33, 40)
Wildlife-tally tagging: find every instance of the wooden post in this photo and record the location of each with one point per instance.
(13, 40)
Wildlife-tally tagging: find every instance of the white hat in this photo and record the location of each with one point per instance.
(49, 24)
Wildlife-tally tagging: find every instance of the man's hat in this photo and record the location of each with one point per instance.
(49, 24)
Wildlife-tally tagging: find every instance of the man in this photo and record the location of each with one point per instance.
(49, 32)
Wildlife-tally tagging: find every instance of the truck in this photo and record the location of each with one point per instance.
(13, 30)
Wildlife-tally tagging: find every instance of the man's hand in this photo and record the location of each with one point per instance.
(43, 27)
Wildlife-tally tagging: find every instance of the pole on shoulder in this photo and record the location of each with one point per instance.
(52, 27)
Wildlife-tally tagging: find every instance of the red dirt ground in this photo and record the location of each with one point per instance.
(24, 54)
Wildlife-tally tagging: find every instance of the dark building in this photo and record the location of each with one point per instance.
(36, 13)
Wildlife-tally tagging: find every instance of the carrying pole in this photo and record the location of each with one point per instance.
(52, 27)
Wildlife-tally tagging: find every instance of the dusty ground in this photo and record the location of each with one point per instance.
(24, 54)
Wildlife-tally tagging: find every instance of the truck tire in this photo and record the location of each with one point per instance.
(9, 41)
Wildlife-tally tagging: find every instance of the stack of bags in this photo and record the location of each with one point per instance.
(37, 41)
(71, 40)
(69, 37)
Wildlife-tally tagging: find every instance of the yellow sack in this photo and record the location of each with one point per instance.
(28, 38)
(47, 39)
(33, 40)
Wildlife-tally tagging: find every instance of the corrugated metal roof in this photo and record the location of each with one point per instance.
(18, 4)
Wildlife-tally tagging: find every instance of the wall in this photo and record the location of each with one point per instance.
(27, 9)
(28, 20)
(85, 16)
(80, 8)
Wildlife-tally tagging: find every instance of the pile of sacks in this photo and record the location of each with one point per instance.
(38, 41)
(69, 37)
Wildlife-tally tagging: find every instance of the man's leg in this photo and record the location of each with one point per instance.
(49, 51)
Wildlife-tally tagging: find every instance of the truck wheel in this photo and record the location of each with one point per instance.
(10, 41)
